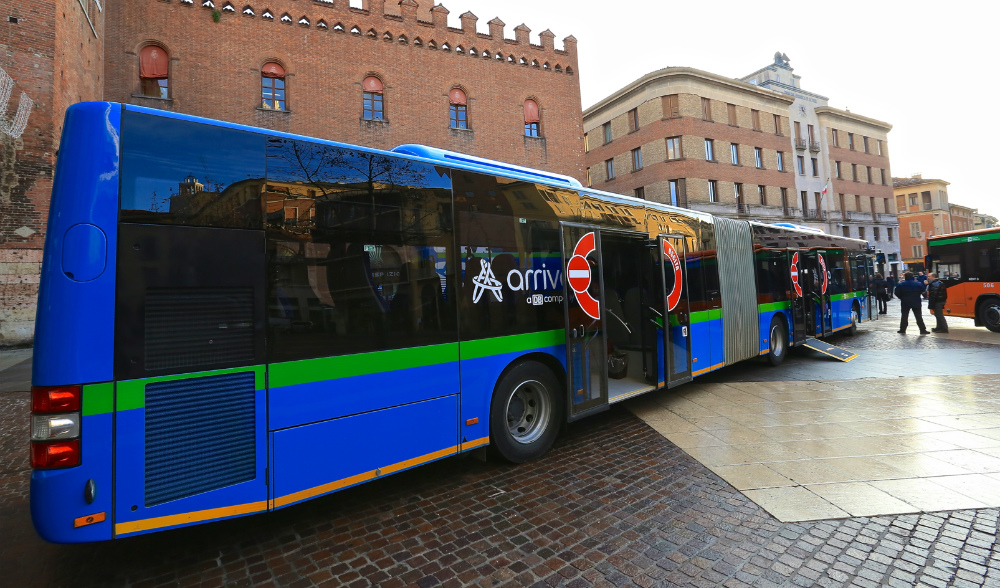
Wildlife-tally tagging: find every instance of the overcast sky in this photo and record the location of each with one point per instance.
(927, 68)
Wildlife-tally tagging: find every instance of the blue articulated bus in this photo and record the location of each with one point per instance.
(233, 320)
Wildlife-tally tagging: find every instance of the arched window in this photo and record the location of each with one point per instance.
(531, 119)
(458, 105)
(154, 72)
(371, 99)
(272, 87)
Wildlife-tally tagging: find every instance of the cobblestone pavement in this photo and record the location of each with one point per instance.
(613, 504)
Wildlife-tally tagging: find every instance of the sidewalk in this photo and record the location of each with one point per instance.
(15, 370)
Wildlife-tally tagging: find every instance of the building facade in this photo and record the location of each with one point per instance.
(758, 148)
(383, 74)
(924, 211)
(983, 221)
(50, 57)
(694, 139)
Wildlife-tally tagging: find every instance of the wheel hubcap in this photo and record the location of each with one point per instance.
(777, 342)
(992, 314)
(528, 412)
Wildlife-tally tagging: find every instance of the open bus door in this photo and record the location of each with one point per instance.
(815, 284)
(796, 263)
(586, 340)
(676, 324)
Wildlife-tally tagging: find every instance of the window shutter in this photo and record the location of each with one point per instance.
(153, 63)
(530, 112)
(272, 70)
(456, 97)
(732, 114)
(671, 106)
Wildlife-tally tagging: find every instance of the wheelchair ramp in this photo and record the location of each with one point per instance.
(827, 349)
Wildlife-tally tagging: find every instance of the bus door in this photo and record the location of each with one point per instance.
(586, 340)
(796, 264)
(677, 334)
(815, 287)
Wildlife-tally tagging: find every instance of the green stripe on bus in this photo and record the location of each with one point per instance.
(706, 315)
(858, 294)
(770, 306)
(968, 239)
(359, 364)
(98, 398)
(512, 343)
(132, 394)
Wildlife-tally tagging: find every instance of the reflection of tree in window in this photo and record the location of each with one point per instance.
(378, 272)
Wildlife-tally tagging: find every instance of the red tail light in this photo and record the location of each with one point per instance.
(55, 398)
(61, 454)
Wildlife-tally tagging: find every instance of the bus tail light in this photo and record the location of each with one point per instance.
(58, 454)
(55, 398)
(55, 426)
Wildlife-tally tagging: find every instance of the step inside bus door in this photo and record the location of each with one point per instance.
(796, 263)
(586, 341)
(674, 301)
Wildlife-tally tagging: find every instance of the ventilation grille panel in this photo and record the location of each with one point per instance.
(200, 435)
(197, 327)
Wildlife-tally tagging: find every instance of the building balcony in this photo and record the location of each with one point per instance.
(814, 146)
(887, 218)
(857, 215)
(814, 215)
(800, 144)
(760, 211)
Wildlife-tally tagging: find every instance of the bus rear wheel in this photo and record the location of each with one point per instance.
(525, 413)
(777, 339)
(989, 314)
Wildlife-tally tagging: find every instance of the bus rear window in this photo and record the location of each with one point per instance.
(178, 172)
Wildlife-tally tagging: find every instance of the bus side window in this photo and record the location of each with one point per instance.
(360, 252)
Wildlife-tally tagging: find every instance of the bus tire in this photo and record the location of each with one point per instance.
(777, 340)
(525, 413)
(855, 317)
(988, 313)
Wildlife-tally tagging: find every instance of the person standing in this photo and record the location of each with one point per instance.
(879, 290)
(909, 292)
(937, 295)
(890, 284)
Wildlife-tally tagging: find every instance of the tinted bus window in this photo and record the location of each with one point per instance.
(360, 252)
(773, 279)
(511, 256)
(837, 274)
(186, 173)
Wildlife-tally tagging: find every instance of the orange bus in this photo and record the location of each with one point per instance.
(969, 265)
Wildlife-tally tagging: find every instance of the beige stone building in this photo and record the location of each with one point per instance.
(759, 147)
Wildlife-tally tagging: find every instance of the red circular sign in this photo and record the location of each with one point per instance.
(578, 272)
(795, 275)
(822, 268)
(670, 254)
(578, 275)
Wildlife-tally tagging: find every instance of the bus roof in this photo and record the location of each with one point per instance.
(964, 234)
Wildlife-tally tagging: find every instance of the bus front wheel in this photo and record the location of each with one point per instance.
(525, 412)
(777, 341)
(855, 319)
(989, 314)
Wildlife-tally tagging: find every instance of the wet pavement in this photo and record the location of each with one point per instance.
(615, 503)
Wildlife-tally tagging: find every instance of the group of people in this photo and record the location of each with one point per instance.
(910, 292)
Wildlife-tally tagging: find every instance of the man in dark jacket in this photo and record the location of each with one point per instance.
(890, 284)
(909, 292)
(937, 295)
(879, 290)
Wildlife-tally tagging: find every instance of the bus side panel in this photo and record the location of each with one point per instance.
(481, 373)
(184, 463)
(59, 509)
(74, 328)
(958, 301)
(292, 402)
(716, 342)
(316, 459)
(701, 353)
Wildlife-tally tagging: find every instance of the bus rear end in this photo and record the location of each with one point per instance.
(72, 390)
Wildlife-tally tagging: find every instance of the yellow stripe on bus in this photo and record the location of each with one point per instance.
(708, 369)
(189, 517)
(362, 477)
(475, 443)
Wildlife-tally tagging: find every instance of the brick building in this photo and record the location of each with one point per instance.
(924, 211)
(759, 147)
(50, 57)
(385, 73)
